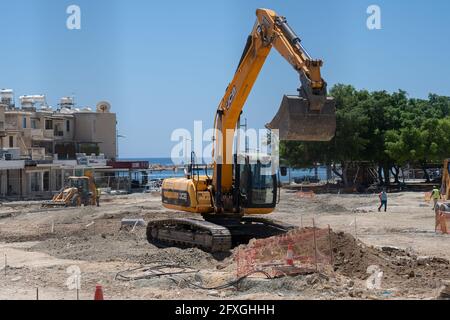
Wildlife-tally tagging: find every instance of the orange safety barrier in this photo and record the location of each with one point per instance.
(308, 249)
(306, 194)
(442, 221)
(427, 196)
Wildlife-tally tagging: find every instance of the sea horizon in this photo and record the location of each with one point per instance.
(167, 161)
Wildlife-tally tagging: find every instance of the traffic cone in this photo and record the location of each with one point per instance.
(98, 292)
(290, 255)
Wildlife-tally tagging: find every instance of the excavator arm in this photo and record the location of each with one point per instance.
(310, 116)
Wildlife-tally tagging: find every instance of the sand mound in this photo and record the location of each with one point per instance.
(400, 268)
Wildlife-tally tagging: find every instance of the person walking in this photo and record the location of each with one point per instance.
(383, 200)
(436, 196)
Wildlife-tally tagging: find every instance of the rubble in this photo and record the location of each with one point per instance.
(104, 250)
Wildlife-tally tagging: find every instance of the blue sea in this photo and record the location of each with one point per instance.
(294, 173)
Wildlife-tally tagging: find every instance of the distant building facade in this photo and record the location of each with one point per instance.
(41, 147)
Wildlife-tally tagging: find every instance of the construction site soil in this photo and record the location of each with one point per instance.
(46, 249)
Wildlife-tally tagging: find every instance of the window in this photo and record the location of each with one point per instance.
(35, 181)
(48, 124)
(258, 187)
(58, 132)
(67, 125)
(24, 122)
(11, 141)
(33, 124)
(46, 181)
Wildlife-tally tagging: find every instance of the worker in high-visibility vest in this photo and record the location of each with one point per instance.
(436, 196)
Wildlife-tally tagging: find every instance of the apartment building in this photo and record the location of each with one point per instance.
(40, 147)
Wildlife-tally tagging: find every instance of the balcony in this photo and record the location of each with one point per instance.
(11, 126)
(37, 133)
(37, 154)
(49, 134)
(33, 133)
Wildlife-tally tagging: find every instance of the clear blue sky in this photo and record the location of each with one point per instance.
(164, 64)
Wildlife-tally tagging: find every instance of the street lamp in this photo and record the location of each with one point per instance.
(117, 142)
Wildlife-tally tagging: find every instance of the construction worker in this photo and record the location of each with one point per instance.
(97, 196)
(436, 196)
(383, 200)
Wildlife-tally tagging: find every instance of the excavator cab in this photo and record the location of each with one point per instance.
(82, 185)
(79, 183)
(257, 183)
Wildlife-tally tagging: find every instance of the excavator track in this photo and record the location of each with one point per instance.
(189, 233)
(281, 226)
(256, 228)
(217, 235)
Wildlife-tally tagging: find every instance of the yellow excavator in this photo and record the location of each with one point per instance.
(443, 208)
(445, 187)
(79, 191)
(238, 189)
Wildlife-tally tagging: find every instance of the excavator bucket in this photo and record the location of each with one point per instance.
(296, 122)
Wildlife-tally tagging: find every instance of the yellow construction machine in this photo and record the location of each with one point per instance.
(445, 187)
(79, 191)
(443, 208)
(238, 189)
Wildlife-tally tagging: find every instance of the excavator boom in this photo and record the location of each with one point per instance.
(309, 116)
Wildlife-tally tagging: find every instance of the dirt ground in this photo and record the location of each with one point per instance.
(45, 248)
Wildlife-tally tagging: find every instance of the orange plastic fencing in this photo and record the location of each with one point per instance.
(306, 194)
(443, 222)
(311, 251)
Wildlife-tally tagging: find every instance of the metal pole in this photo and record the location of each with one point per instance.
(37, 293)
(315, 245)
(247, 149)
(331, 245)
(238, 136)
(117, 143)
(78, 285)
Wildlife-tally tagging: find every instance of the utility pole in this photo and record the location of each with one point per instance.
(117, 142)
(245, 136)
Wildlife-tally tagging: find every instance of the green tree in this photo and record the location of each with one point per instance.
(387, 130)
